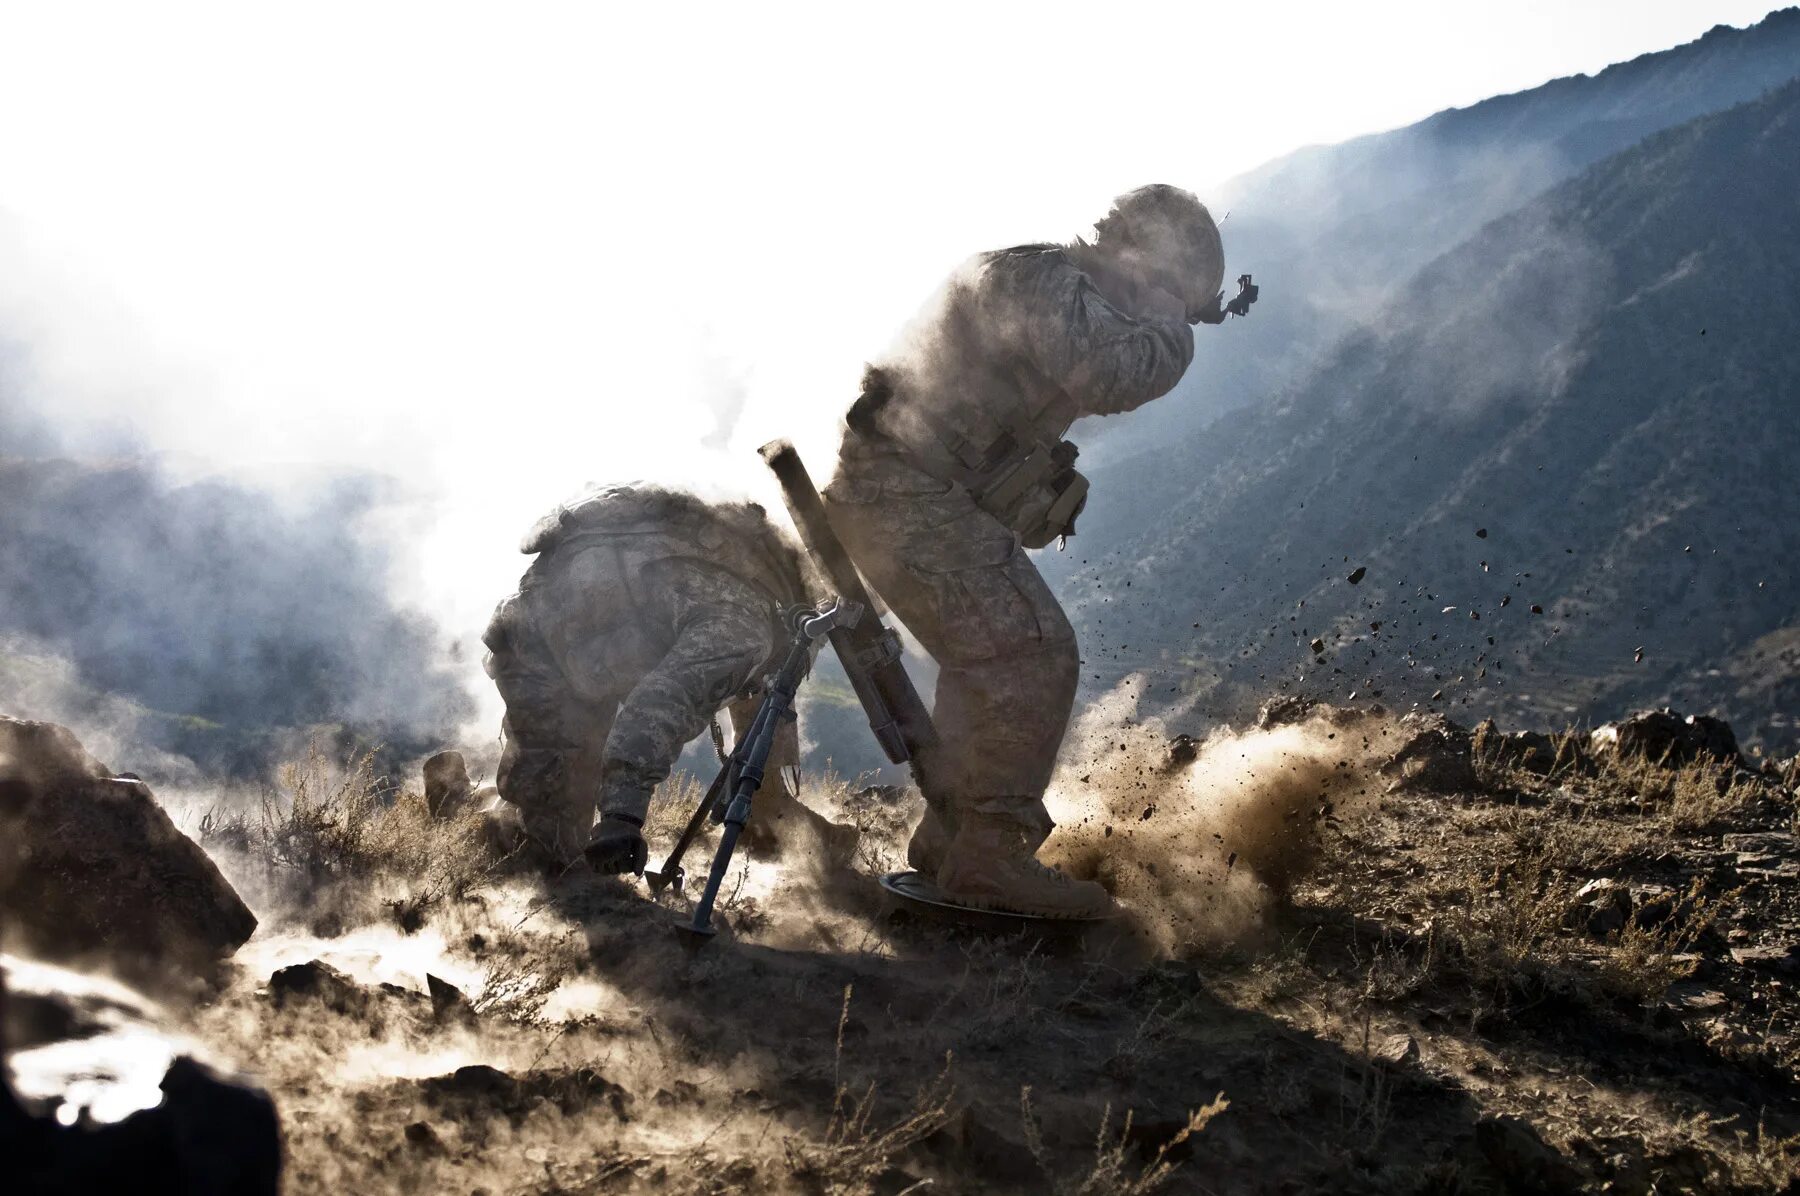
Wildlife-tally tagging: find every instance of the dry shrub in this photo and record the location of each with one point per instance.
(999, 994)
(1112, 1172)
(1278, 974)
(884, 814)
(1643, 959)
(1366, 1100)
(1514, 928)
(520, 974)
(671, 806)
(1765, 1162)
(856, 1148)
(1684, 798)
(1395, 971)
(1500, 762)
(321, 826)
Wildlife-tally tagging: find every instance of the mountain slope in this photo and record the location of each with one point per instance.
(1332, 232)
(1588, 406)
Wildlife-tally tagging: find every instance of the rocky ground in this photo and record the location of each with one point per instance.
(1504, 964)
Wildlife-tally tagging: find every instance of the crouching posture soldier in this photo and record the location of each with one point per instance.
(645, 612)
(954, 463)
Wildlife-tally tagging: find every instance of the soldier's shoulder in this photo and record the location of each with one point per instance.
(1027, 273)
(597, 508)
(1026, 257)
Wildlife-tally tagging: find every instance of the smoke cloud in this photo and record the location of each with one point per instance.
(207, 616)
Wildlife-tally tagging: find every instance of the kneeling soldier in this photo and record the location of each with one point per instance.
(645, 612)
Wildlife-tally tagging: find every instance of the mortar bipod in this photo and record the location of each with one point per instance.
(741, 775)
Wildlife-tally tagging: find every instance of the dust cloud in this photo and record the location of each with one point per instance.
(1200, 838)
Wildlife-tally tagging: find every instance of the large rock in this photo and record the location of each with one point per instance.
(87, 1051)
(1668, 737)
(1434, 754)
(94, 868)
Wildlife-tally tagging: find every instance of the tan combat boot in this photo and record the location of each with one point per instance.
(930, 841)
(989, 866)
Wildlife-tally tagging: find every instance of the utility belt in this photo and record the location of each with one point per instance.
(1029, 485)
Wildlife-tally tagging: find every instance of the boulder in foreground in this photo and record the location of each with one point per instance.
(92, 866)
(72, 1038)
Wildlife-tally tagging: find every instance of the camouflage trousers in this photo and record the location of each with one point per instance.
(968, 592)
(607, 673)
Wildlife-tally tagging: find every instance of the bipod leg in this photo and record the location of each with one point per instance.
(672, 873)
(749, 780)
(723, 785)
(777, 705)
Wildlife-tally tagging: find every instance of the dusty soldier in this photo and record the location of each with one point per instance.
(954, 462)
(645, 612)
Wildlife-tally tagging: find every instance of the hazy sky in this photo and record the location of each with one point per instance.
(502, 250)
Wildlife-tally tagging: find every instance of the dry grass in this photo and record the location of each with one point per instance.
(1114, 1170)
(1672, 797)
(321, 825)
(1686, 798)
(1519, 930)
(1505, 904)
(856, 1148)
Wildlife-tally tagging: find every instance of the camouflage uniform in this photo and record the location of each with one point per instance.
(1019, 344)
(645, 612)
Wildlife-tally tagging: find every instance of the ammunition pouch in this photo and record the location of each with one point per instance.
(1036, 492)
(1031, 487)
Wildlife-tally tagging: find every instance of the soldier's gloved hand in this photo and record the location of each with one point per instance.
(1211, 312)
(618, 846)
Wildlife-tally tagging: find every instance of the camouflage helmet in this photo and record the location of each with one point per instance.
(1167, 236)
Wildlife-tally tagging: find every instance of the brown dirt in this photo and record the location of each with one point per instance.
(1434, 1005)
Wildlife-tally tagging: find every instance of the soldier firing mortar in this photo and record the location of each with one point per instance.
(954, 461)
(645, 612)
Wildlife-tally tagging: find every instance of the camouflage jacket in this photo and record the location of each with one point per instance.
(646, 524)
(1017, 346)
